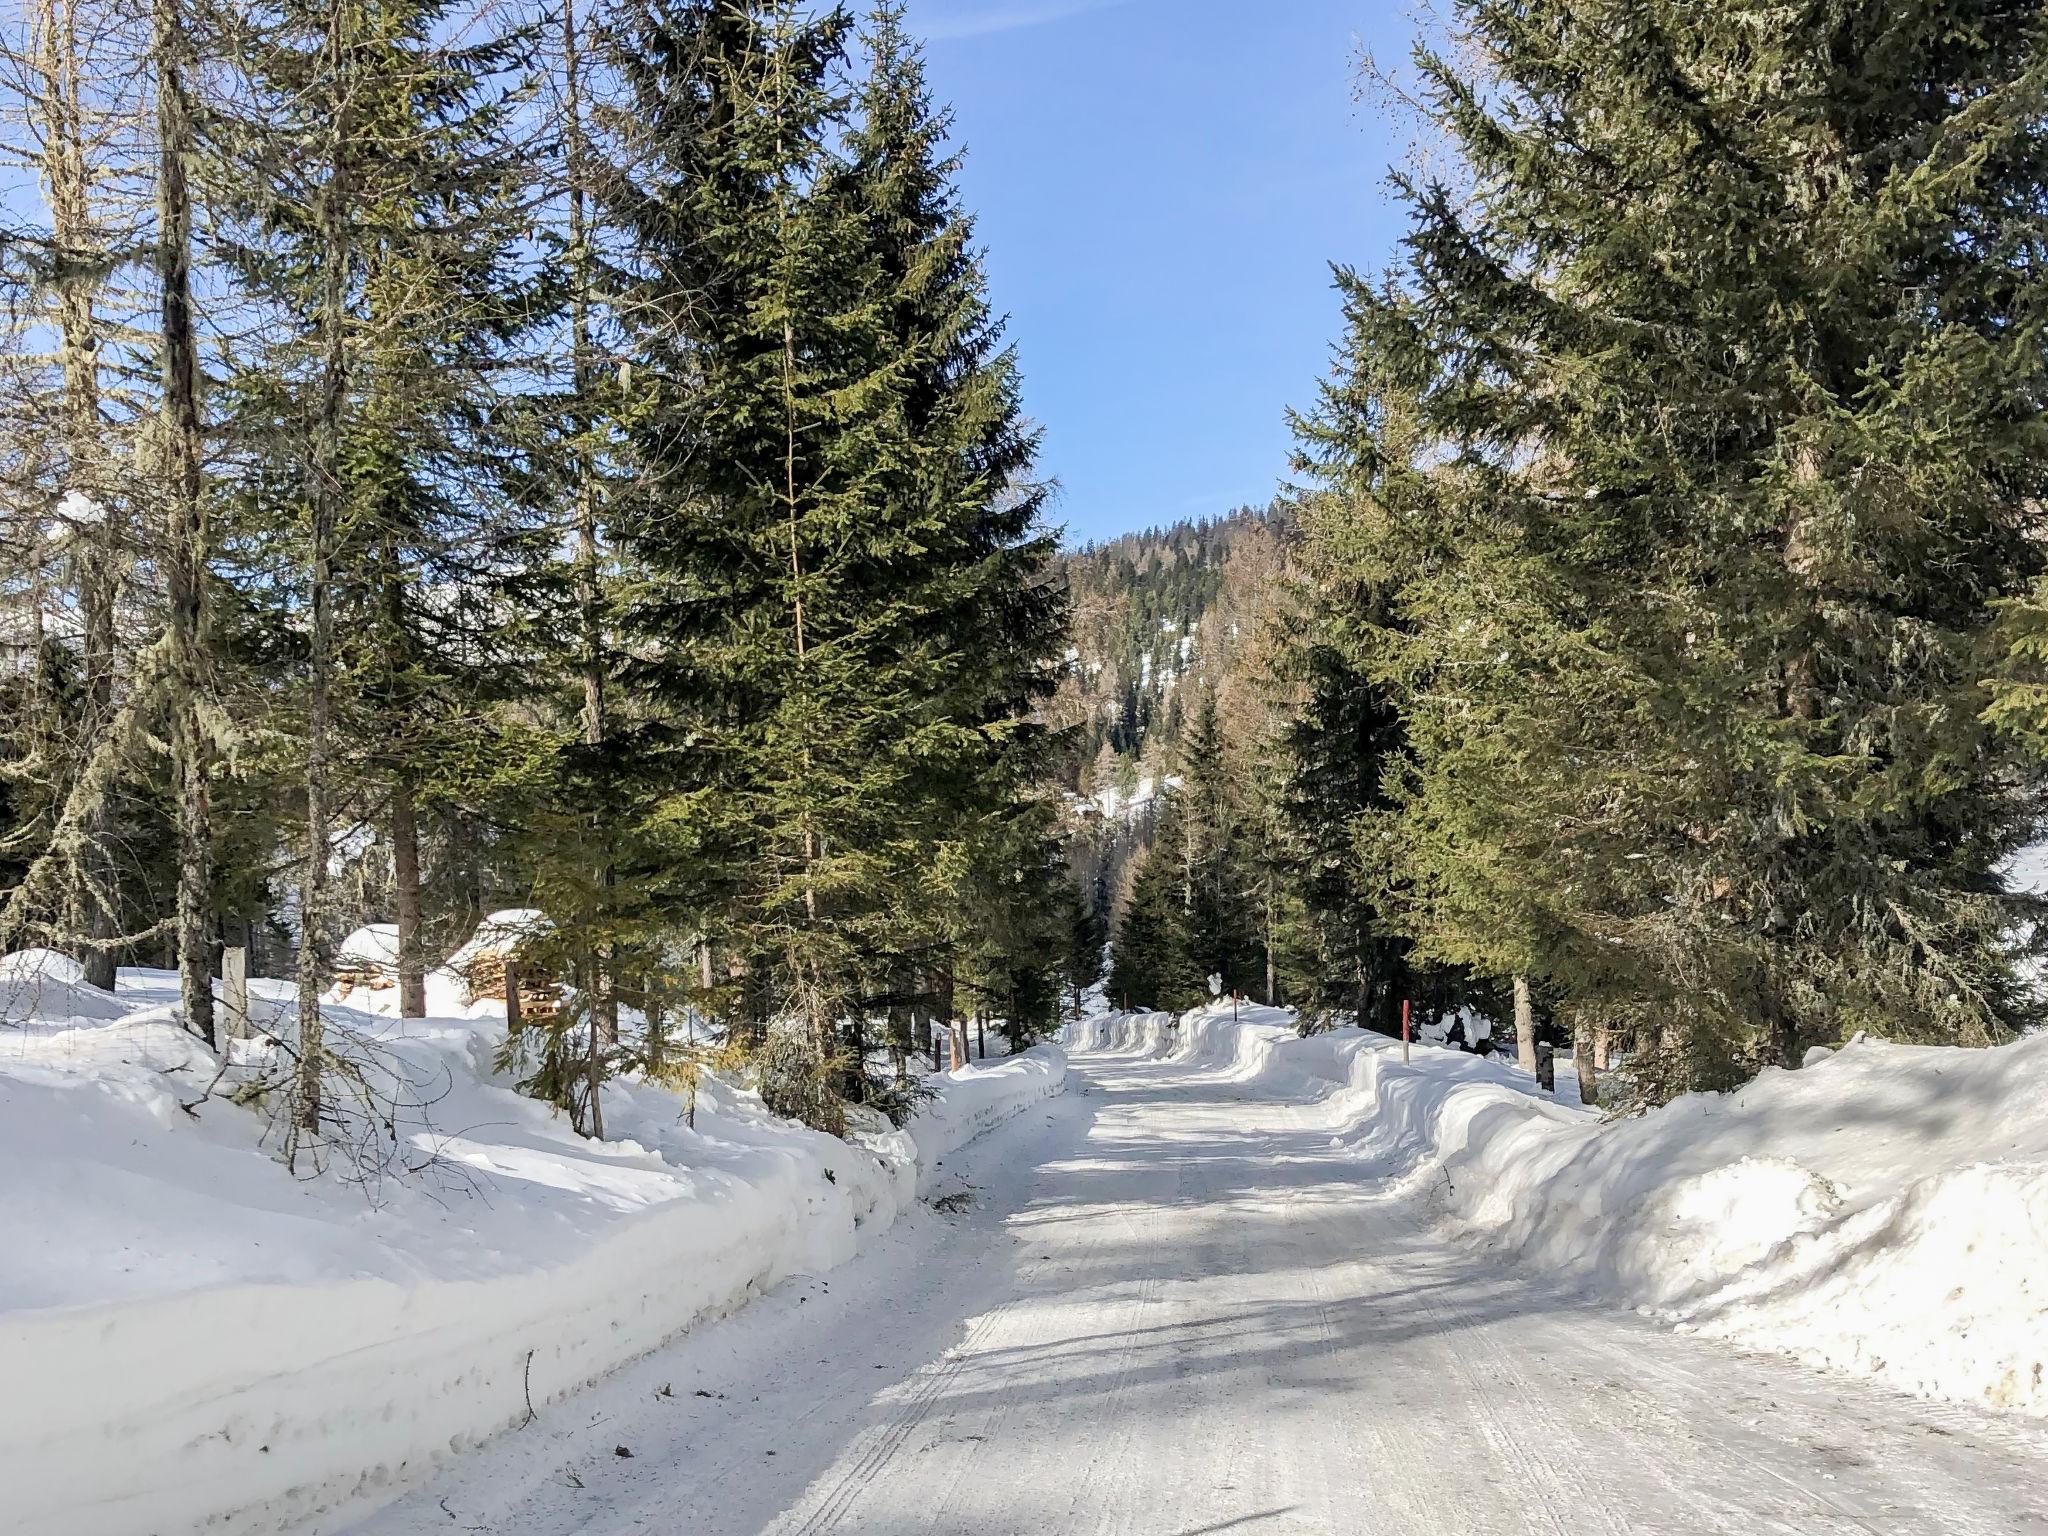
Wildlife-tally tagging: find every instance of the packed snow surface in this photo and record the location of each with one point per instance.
(192, 1337)
(1235, 1278)
(1882, 1211)
(1201, 1293)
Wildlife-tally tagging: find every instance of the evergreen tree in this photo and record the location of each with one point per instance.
(1087, 938)
(967, 560)
(1148, 966)
(1214, 868)
(827, 501)
(1693, 457)
(1343, 747)
(384, 266)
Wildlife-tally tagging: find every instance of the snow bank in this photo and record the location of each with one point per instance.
(194, 1339)
(977, 1097)
(1883, 1211)
(38, 984)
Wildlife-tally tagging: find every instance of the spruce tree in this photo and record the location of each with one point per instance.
(1694, 453)
(1214, 870)
(383, 265)
(968, 562)
(1148, 966)
(762, 413)
(1342, 749)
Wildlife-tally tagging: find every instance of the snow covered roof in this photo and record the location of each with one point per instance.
(374, 948)
(499, 932)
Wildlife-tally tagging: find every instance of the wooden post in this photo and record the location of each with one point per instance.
(511, 995)
(1404, 1031)
(234, 979)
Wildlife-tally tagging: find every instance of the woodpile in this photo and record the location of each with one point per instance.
(367, 958)
(488, 975)
(493, 955)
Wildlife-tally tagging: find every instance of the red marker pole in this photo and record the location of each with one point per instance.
(1404, 1031)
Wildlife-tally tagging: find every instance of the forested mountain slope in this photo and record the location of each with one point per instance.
(1158, 618)
(1163, 621)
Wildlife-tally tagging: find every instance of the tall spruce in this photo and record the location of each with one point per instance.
(1341, 751)
(383, 267)
(759, 520)
(976, 604)
(1694, 451)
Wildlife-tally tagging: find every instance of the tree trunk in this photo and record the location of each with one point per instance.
(185, 535)
(593, 1055)
(1584, 1054)
(60, 109)
(899, 1041)
(405, 880)
(324, 495)
(1272, 962)
(956, 1032)
(652, 1009)
(1525, 1025)
(603, 998)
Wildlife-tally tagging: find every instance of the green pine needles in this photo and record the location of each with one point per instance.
(1669, 493)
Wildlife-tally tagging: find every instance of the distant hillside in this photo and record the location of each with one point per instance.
(1159, 618)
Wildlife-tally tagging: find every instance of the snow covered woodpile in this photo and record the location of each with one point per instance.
(503, 941)
(214, 1344)
(1883, 1211)
(366, 959)
(470, 983)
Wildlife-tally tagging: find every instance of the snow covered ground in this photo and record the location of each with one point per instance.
(1883, 1211)
(1192, 1296)
(194, 1338)
(1232, 1279)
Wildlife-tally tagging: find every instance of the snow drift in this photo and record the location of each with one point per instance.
(1883, 1211)
(196, 1339)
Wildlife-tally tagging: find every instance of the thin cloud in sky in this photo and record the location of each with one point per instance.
(976, 18)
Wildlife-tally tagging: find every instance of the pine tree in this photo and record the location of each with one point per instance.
(1087, 937)
(1693, 456)
(186, 543)
(970, 560)
(759, 524)
(1342, 749)
(385, 265)
(1213, 864)
(1148, 967)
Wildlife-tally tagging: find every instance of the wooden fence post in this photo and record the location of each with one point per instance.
(234, 979)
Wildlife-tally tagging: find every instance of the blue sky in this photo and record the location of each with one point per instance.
(1161, 187)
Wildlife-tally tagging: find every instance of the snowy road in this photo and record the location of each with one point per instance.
(1171, 1309)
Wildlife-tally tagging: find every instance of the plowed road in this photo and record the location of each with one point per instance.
(1168, 1307)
